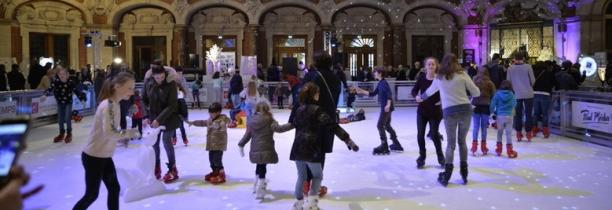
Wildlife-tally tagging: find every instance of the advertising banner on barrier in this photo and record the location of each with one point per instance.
(78, 105)
(8, 109)
(592, 116)
(48, 107)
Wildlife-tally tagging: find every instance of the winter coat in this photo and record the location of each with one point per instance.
(3, 83)
(16, 80)
(327, 103)
(236, 85)
(139, 114)
(545, 81)
(309, 144)
(487, 90)
(503, 103)
(496, 73)
(216, 132)
(161, 103)
(565, 81)
(63, 91)
(261, 130)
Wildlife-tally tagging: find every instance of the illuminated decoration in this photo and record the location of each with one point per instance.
(118, 60)
(601, 73)
(362, 42)
(546, 54)
(43, 61)
(295, 42)
(589, 65)
(212, 58)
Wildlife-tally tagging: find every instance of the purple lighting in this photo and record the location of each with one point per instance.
(567, 44)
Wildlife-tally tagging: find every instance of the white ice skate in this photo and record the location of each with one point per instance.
(298, 205)
(255, 184)
(261, 189)
(312, 203)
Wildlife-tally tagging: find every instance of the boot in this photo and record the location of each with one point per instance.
(463, 170)
(396, 147)
(421, 160)
(483, 147)
(68, 138)
(59, 137)
(312, 203)
(322, 191)
(261, 189)
(444, 176)
(173, 140)
(441, 159)
(171, 176)
(519, 136)
(185, 141)
(157, 172)
(382, 149)
(499, 148)
(298, 205)
(254, 183)
(474, 147)
(534, 131)
(212, 174)
(546, 132)
(219, 179)
(510, 151)
(529, 136)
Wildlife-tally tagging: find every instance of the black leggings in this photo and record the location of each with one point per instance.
(434, 124)
(260, 171)
(97, 170)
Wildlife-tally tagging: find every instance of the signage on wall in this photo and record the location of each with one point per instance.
(8, 109)
(46, 108)
(592, 116)
(468, 56)
(248, 65)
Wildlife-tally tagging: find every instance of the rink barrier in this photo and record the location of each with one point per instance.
(582, 115)
(208, 94)
(27, 103)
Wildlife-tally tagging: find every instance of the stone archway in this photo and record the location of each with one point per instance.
(49, 17)
(430, 31)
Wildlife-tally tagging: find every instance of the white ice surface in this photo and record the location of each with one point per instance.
(554, 173)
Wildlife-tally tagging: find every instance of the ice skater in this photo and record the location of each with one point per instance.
(307, 151)
(452, 82)
(502, 105)
(385, 98)
(139, 112)
(63, 87)
(480, 117)
(261, 130)
(97, 154)
(216, 141)
(428, 112)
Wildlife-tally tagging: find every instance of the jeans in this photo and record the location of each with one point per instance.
(541, 108)
(481, 122)
(294, 96)
(64, 116)
(523, 106)
(422, 121)
(166, 136)
(457, 125)
(99, 170)
(196, 98)
(504, 124)
(384, 123)
(183, 132)
(260, 171)
(216, 159)
(235, 99)
(317, 176)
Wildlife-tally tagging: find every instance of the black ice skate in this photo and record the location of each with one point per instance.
(396, 147)
(382, 149)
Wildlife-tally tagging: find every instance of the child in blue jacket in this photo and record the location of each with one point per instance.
(502, 105)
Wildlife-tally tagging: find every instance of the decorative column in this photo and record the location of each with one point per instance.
(388, 47)
(178, 46)
(476, 37)
(319, 39)
(262, 47)
(399, 45)
(249, 42)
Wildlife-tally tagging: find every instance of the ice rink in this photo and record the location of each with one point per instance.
(554, 173)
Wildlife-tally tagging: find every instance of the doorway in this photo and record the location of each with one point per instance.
(146, 49)
(361, 50)
(285, 47)
(427, 46)
(54, 46)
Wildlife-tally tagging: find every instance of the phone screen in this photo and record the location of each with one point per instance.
(11, 136)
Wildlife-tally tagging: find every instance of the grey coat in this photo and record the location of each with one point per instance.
(262, 146)
(216, 135)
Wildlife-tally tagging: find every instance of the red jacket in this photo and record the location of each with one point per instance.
(139, 114)
(292, 80)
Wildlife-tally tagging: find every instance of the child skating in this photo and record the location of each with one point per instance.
(216, 141)
(480, 117)
(385, 98)
(260, 132)
(502, 105)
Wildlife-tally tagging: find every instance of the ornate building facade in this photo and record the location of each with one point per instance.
(359, 32)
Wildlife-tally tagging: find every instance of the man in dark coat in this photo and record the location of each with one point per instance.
(329, 85)
(3, 83)
(16, 80)
(236, 87)
(496, 70)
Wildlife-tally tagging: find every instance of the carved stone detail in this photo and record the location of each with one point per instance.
(100, 7)
(49, 13)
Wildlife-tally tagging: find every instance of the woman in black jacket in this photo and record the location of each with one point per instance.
(161, 106)
(3, 84)
(16, 79)
(428, 111)
(307, 150)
